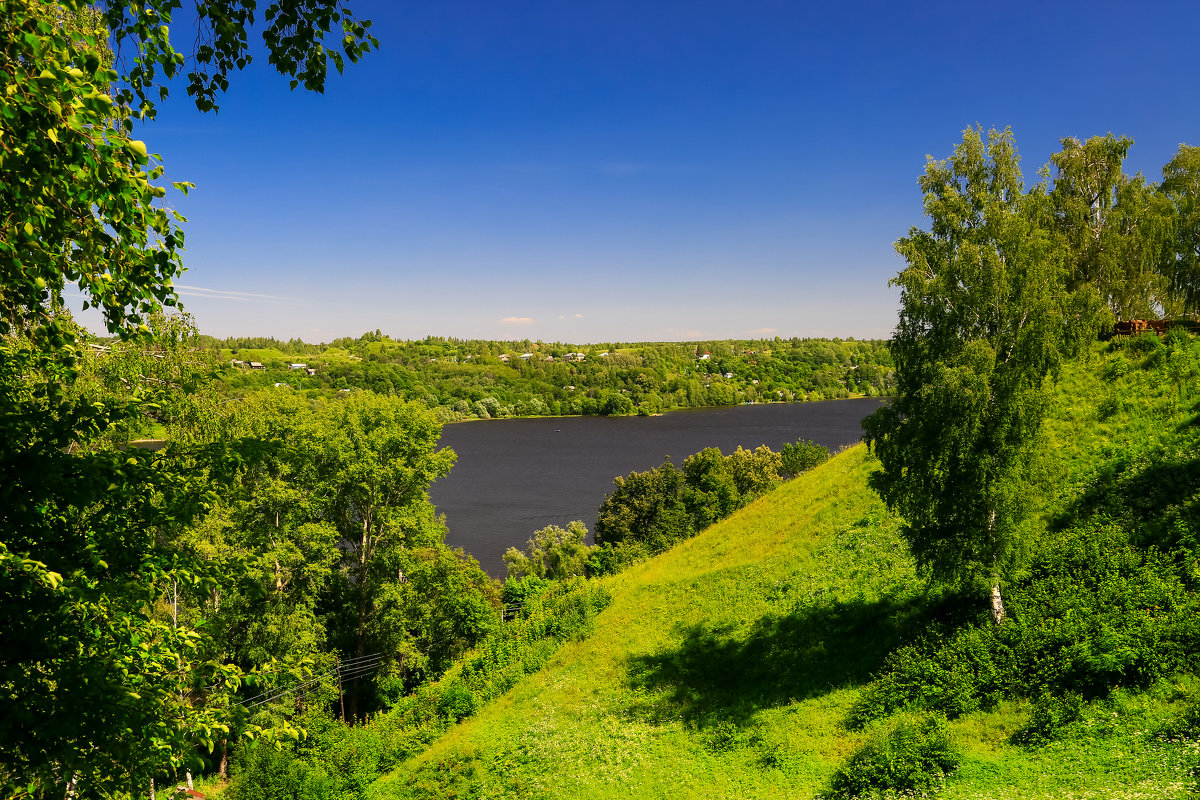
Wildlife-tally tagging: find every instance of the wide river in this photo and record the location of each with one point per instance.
(515, 476)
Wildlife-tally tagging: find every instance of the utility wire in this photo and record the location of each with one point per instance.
(350, 669)
(362, 669)
(354, 668)
(318, 676)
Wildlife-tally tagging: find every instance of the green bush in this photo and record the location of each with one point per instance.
(1095, 613)
(609, 559)
(1051, 719)
(552, 552)
(519, 590)
(802, 455)
(954, 673)
(260, 772)
(1184, 727)
(457, 702)
(913, 756)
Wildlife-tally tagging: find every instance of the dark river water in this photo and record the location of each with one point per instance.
(516, 476)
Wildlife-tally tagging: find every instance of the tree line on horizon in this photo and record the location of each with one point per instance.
(479, 379)
(149, 596)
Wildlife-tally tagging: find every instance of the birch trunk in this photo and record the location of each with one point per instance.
(997, 605)
(997, 602)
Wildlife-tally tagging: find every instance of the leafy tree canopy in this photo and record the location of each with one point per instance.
(101, 691)
(985, 319)
(83, 201)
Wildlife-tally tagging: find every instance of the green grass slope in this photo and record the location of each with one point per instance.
(693, 678)
(729, 666)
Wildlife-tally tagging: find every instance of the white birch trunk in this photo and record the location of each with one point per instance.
(997, 609)
(997, 605)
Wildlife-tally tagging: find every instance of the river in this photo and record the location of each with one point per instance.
(515, 476)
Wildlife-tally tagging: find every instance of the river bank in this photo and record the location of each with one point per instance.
(515, 476)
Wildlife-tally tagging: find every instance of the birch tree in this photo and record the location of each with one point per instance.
(984, 322)
(1115, 227)
(1181, 261)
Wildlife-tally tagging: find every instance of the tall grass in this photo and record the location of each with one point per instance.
(733, 665)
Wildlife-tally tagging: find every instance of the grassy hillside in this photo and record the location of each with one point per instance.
(734, 665)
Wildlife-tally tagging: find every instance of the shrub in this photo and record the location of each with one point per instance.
(755, 471)
(646, 507)
(457, 702)
(553, 552)
(912, 756)
(1096, 613)
(802, 455)
(1051, 719)
(609, 559)
(517, 591)
(955, 675)
(1185, 727)
(260, 772)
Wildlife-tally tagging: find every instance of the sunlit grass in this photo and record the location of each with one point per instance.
(726, 667)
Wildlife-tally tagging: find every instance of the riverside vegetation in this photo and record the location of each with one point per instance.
(792, 649)
(1001, 605)
(476, 379)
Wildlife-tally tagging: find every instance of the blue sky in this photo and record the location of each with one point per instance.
(630, 171)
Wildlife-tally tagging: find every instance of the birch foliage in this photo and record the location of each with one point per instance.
(984, 322)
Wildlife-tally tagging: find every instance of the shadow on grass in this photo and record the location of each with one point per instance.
(722, 674)
(1158, 499)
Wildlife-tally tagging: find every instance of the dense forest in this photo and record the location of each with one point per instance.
(472, 379)
(270, 598)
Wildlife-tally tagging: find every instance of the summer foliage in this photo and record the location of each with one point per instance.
(1004, 285)
(792, 649)
(273, 586)
(478, 379)
(101, 692)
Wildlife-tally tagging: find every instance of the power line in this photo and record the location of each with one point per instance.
(350, 669)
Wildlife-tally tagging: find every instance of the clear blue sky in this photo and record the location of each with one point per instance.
(593, 172)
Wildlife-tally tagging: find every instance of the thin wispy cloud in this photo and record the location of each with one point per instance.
(224, 294)
(517, 321)
(766, 331)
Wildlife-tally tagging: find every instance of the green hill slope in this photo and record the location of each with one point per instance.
(730, 666)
